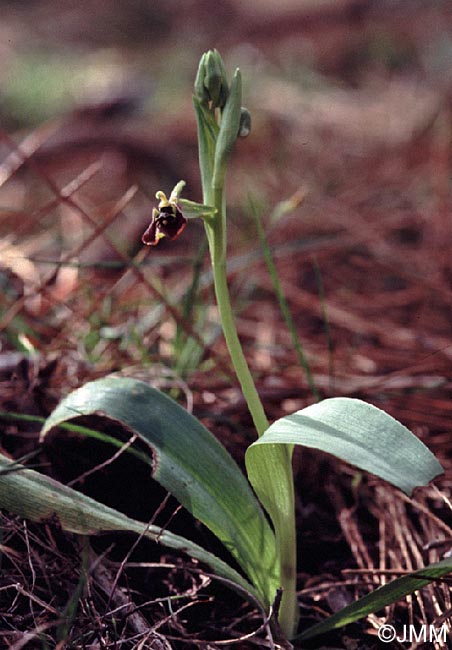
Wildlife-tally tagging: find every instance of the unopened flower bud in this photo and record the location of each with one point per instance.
(245, 122)
(200, 89)
(211, 86)
(213, 79)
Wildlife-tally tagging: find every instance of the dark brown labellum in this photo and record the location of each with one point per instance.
(168, 221)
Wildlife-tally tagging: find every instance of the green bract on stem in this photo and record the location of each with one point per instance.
(211, 86)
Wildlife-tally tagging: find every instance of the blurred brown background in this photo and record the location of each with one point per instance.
(351, 105)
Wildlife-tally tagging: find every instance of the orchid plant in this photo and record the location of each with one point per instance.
(254, 516)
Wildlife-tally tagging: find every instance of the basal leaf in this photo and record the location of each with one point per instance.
(34, 496)
(190, 463)
(359, 434)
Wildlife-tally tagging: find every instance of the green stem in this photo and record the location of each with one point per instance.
(280, 491)
(234, 346)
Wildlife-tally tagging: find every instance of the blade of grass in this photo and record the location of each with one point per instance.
(70, 610)
(326, 321)
(189, 301)
(380, 598)
(75, 428)
(284, 307)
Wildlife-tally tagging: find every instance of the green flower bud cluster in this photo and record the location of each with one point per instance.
(211, 86)
(212, 89)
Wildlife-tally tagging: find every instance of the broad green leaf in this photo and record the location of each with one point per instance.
(34, 496)
(380, 598)
(359, 434)
(190, 463)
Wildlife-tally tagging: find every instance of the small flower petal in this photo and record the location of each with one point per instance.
(167, 221)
